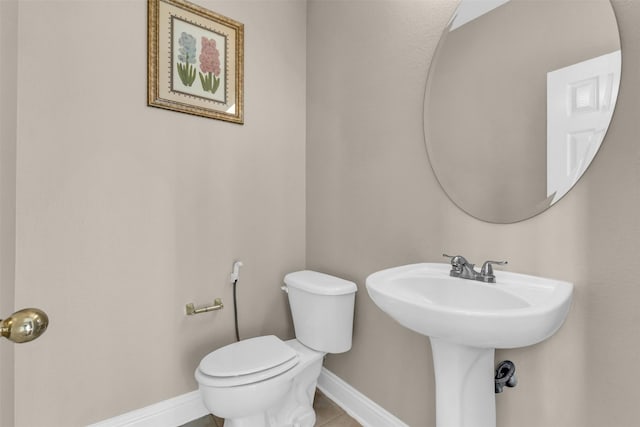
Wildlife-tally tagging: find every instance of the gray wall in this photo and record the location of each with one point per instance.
(8, 98)
(373, 202)
(125, 213)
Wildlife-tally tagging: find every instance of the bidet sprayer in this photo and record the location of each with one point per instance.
(236, 271)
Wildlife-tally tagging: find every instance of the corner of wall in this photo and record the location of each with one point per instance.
(8, 97)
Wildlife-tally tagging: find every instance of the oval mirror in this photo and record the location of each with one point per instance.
(519, 97)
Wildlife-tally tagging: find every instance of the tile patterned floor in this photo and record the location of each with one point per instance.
(328, 414)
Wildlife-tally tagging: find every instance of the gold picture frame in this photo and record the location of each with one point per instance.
(195, 61)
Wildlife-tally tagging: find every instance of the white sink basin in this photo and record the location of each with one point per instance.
(516, 311)
(465, 321)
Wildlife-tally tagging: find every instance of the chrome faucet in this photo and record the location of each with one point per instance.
(462, 268)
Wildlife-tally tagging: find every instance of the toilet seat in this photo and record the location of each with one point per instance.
(247, 362)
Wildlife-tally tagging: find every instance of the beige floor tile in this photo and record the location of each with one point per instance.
(328, 414)
(325, 409)
(343, 421)
(219, 421)
(206, 421)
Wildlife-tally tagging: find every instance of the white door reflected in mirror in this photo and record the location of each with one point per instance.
(580, 102)
(486, 108)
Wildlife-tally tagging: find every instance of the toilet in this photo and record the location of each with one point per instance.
(267, 382)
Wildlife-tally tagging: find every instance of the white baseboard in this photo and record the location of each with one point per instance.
(357, 405)
(168, 413)
(188, 407)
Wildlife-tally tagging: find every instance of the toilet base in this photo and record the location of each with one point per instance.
(295, 409)
(251, 421)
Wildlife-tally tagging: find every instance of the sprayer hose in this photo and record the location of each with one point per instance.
(235, 309)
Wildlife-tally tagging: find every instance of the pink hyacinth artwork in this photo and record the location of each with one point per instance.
(209, 65)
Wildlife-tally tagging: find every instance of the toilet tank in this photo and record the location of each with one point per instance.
(322, 310)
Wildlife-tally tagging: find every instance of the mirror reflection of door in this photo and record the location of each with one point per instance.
(580, 102)
(486, 103)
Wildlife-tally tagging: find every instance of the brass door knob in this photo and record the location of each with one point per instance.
(24, 325)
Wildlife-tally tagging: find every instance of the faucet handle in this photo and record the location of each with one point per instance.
(454, 259)
(457, 261)
(487, 269)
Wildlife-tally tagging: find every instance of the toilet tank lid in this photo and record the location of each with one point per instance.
(319, 283)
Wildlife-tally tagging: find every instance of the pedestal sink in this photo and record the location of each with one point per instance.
(466, 321)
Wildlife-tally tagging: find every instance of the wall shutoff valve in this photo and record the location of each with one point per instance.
(505, 375)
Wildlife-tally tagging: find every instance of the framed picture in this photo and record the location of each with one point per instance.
(195, 60)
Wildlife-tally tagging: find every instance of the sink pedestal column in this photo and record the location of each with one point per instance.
(465, 393)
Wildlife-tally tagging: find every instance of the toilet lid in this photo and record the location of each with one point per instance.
(267, 374)
(267, 356)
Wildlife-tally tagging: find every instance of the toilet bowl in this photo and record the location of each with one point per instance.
(267, 382)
